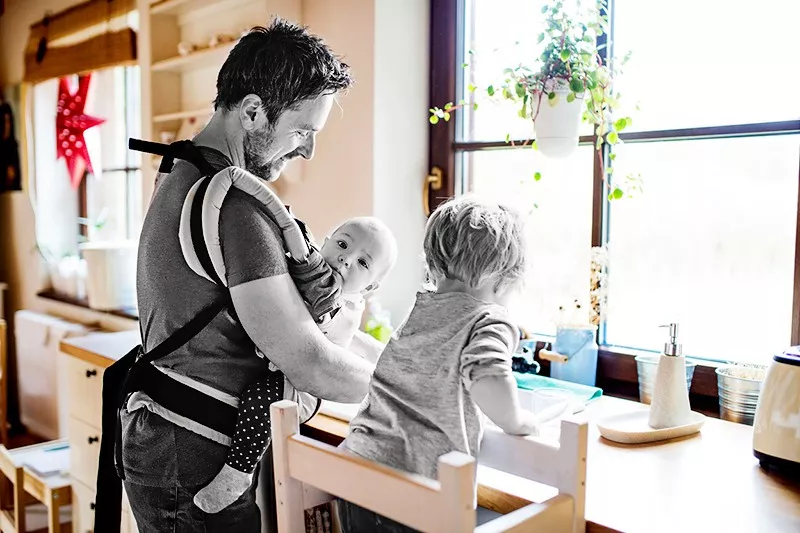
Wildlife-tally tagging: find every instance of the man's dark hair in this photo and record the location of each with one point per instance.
(283, 64)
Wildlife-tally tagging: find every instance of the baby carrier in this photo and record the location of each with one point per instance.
(134, 372)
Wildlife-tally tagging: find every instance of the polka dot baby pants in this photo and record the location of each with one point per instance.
(252, 435)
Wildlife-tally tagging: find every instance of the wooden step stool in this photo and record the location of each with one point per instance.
(22, 485)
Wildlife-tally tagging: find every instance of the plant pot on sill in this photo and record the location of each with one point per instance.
(110, 274)
(577, 342)
(739, 388)
(557, 122)
(646, 369)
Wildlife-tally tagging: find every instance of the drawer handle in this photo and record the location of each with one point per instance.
(91, 506)
(93, 439)
(90, 373)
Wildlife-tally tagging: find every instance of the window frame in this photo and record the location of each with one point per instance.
(616, 372)
(129, 169)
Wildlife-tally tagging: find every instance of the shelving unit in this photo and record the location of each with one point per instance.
(177, 90)
(170, 117)
(202, 58)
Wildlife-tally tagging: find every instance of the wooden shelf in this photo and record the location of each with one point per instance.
(201, 58)
(127, 312)
(169, 117)
(179, 7)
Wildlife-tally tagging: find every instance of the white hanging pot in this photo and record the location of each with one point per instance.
(557, 121)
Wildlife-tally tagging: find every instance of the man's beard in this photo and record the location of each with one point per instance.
(257, 143)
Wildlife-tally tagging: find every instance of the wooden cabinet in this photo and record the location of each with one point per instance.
(84, 401)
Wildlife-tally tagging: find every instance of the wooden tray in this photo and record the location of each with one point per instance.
(633, 428)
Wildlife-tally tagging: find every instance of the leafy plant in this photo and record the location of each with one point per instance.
(97, 224)
(571, 61)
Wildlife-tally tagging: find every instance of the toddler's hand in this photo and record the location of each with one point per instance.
(529, 424)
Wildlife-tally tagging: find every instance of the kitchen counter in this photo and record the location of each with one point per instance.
(707, 482)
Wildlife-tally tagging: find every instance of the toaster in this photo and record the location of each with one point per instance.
(776, 427)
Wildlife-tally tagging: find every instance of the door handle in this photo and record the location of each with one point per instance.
(432, 181)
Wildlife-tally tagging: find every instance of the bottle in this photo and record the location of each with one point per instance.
(670, 404)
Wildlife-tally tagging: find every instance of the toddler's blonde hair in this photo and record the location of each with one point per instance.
(476, 241)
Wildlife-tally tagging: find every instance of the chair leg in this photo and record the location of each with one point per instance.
(53, 512)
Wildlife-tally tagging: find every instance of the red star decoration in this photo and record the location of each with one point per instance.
(71, 122)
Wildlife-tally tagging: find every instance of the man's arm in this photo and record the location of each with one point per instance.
(275, 317)
(367, 346)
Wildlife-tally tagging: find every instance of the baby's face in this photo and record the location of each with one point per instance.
(357, 253)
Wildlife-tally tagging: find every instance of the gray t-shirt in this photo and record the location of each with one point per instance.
(157, 452)
(419, 405)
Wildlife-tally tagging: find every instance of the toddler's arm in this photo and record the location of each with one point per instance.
(497, 398)
(486, 372)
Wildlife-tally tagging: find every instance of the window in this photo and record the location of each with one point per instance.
(711, 241)
(107, 206)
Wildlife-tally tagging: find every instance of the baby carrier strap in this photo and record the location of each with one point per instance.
(134, 372)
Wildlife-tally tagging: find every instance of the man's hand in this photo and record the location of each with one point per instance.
(275, 317)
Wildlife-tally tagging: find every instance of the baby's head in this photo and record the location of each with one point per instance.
(362, 250)
(476, 242)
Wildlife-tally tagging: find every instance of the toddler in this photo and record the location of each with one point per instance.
(333, 281)
(451, 359)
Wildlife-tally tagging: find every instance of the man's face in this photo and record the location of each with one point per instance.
(269, 148)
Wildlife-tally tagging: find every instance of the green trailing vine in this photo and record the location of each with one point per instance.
(571, 60)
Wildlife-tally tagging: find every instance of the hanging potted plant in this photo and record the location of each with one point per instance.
(569, 82)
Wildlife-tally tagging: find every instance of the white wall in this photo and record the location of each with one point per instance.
(371, 158)
(400, 156)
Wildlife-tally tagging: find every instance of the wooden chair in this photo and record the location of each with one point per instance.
(308, 473)
(21, 487)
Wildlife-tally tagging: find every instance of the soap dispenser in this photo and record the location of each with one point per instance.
(670, 404)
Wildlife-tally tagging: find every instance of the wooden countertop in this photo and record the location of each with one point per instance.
(101, 349)
(707, 482)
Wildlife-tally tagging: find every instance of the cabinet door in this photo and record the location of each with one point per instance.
(82, 508)
(84, 444)
(84, 389)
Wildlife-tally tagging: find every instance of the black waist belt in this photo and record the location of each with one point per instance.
(183, 399)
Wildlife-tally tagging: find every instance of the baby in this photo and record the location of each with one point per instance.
(334, 281)
(451, 359)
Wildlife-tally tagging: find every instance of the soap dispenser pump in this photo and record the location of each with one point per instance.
(670, 404)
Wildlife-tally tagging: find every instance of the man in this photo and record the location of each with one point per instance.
(274, 93)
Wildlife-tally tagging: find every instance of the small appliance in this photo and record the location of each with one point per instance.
(776, 428)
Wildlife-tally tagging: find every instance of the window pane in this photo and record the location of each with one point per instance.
(502, 35)
(56, 200)
(113, 197)
(730, 62)
(709, 244)
(559, 229)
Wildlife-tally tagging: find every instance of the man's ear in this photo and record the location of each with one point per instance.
(251, 113)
